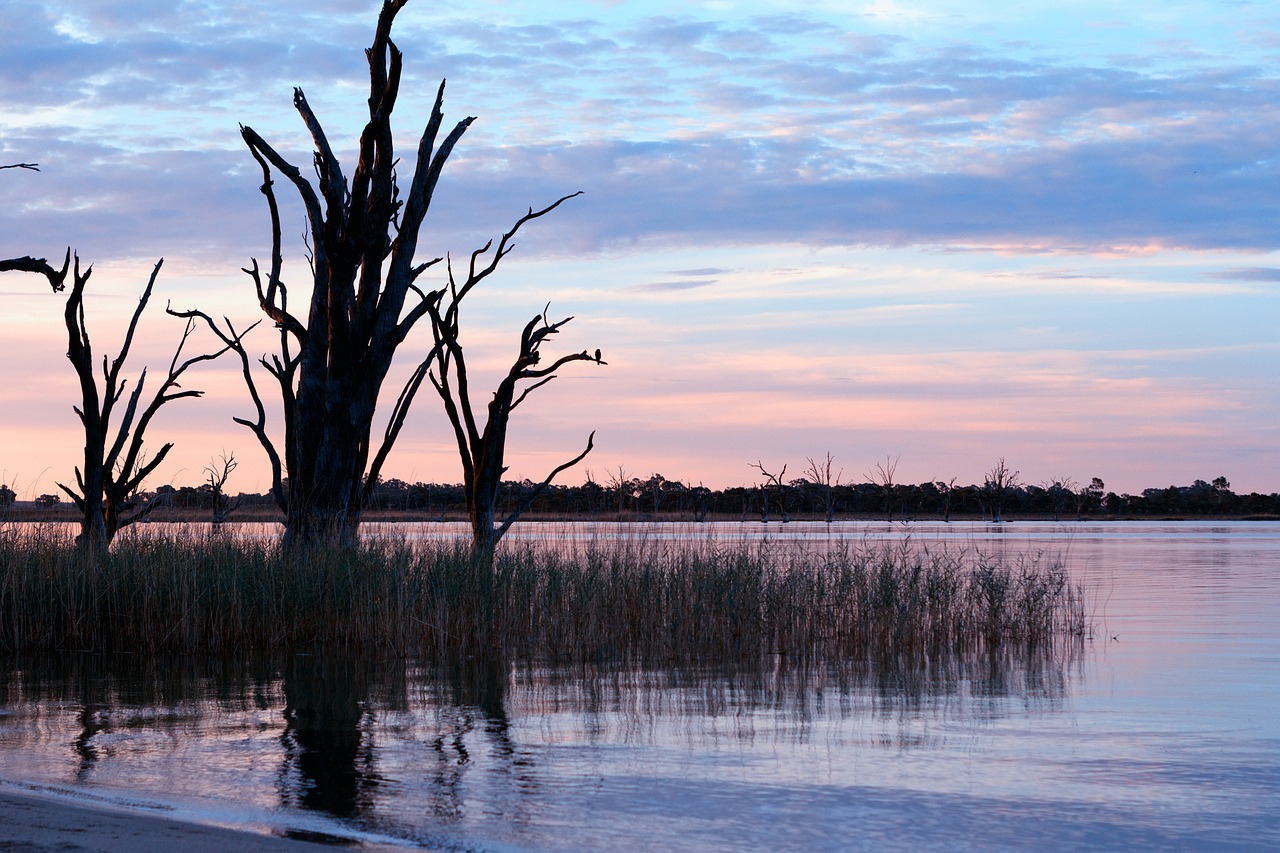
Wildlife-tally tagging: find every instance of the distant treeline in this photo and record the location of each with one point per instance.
(657, 496)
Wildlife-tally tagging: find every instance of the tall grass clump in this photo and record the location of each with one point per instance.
(634, 599)
(680, 601)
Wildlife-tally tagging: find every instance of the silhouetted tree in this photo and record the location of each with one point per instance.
(997, 486)
(946, 493)
(217, 473)
(702, 499)
(774, 481)
(1060, 492)
(882, 475)
(625, 489)
(1222, 493)
(110, 474)
(823, 483)
(332, 361)
(482, 451)
(660, 488)
(1089, 496)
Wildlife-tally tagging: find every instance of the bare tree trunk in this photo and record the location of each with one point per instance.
(998, 485)
(819, 474)
(216, 476)
(109, 474)
(331, 363)
(482, 451)
(882, 475)
(947, 490)
(776, 482)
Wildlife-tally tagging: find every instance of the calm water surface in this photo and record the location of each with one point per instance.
(1162, 732)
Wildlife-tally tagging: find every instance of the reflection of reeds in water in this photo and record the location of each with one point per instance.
(411, 745)
(634, 599)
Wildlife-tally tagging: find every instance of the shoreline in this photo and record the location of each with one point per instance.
(32, 820)
(67, 515)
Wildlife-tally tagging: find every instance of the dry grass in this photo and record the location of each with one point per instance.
(628, 599)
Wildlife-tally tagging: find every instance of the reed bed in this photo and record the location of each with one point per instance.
(619, 599)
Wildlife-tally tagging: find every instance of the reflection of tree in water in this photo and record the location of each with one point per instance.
(94, 717)
(104, 704)
(327, 750)
(471, 696)
(359, 744)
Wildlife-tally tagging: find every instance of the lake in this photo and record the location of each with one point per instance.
(1161, 730)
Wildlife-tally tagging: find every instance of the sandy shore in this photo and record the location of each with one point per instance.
(30, 823)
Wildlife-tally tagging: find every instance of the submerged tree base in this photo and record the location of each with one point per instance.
(636, 600)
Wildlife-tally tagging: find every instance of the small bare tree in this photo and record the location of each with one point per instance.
(882, 475)
(946, 493)
(217, 473)
(110, 474)
(660, 488)
(774, 481)
(998, 484)
(1061, 491)
(701, 500)
(823, 483)
(622, 488)
(483, 450)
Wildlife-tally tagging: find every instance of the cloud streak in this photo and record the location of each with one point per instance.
(682, 130)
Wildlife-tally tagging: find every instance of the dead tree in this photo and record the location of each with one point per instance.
(110, 474)
(217, 472)
(998, 484)
(776, 482)
(824, 483)
(623, 487)
(702, 500)
(482, 450)
(882, 475)
(946, 492)
(1060, 491)
(333, 357)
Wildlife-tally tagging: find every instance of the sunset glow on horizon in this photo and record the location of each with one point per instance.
(909, 230)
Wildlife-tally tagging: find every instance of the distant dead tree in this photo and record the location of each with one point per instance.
(332, 359)
(702, 498)
(823, 483)
(623, 488)
(946, 493)
(998, 484)
(882, 475)
(110, 474)
(1060, 491)
(775, 481)
(660, 488)
(482, 449)
(217, 473)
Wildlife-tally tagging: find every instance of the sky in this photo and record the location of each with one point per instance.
(937, 233)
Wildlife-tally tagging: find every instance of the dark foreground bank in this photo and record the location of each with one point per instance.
(36, 823)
